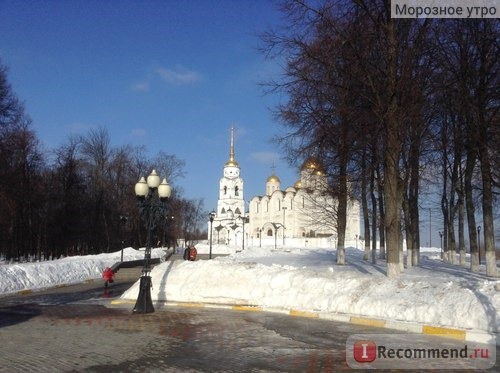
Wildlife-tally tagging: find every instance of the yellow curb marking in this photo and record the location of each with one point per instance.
(187, 304)
(303, 314)
(247, 308)
(445, 332)
(122, 301)
(367, 322)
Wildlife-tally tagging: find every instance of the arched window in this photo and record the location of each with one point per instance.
(225, 189)
(270, 232)
(236, 189)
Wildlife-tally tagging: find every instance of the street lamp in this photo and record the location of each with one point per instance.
(152, 211)
(284, 229)
(479, 242)
(234, 227)
(276, 227)
(441, 235)
(244, 220)
(211, 216)
(123, 219)
(218, 229)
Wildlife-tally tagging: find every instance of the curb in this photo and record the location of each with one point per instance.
(452, 333)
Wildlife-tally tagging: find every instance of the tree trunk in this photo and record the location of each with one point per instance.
(469, 205)
(381, 215)
(489, 240)
(341, 215)
(364, 204)
(374, 217)
(392, 157)
(409, 235)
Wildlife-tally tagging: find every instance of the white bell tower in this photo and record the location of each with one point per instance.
(227, 224)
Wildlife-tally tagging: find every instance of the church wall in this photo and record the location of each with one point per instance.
(293, 216)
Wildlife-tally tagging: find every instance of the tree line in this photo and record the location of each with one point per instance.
(79, 198)
(397, 109)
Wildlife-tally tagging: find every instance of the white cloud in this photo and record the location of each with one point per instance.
(178, 75)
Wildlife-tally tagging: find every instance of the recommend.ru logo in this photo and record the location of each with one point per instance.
(415, 351)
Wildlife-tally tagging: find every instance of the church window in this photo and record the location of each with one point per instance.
(236, 191)
(225, 189)
(267, 206)
(270, 232)
(223, 211)
(237, 211)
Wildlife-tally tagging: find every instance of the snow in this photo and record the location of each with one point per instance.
(304, 279)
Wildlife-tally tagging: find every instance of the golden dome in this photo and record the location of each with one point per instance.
(298, 184)
(232, 163)
(273, 179)
(314, 165)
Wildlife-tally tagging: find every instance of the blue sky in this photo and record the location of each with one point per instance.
(172, 75)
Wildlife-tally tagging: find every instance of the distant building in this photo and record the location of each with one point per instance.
(302, 215)
(227, 227)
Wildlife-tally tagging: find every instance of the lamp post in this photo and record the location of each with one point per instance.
(441, 236)
(234, 227)
(211, 217)
(218, 229)
(152, 196)
(284, 229)
(244, 220)
(479, 242)
(276, 227)
(123, 219)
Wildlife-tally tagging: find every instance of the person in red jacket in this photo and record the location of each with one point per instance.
(108, 275)
(192, 253)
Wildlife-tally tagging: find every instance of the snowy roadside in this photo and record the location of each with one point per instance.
(306, 280)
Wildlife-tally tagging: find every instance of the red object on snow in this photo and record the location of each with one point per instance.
(108, 275)
(193, 253)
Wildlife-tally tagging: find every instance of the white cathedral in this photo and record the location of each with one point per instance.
(302, 215)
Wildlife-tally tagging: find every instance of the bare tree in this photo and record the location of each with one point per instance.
(344, 59)
(468, 56)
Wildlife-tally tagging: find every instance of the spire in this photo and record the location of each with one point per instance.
(231, 151)
(231, 161)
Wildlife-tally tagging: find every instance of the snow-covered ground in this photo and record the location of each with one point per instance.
(307, 280)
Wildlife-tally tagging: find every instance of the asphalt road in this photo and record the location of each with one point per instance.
(75, 329)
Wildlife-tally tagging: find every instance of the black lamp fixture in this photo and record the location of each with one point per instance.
(152, 196)
(211, 217)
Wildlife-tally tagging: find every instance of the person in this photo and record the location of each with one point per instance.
(186, 253)
(108, 275)
(192, 253)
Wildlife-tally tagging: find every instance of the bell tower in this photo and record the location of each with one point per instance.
(227, 224)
